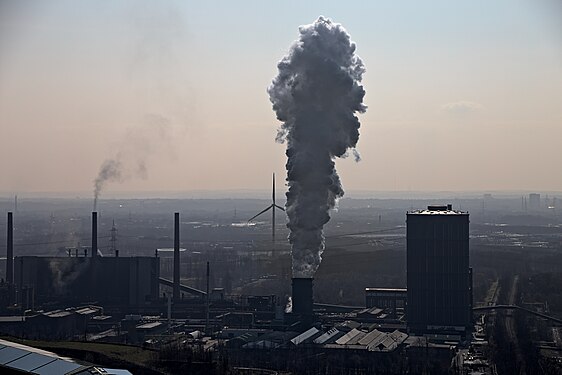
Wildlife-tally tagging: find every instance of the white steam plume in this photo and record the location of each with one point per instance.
(316, 95)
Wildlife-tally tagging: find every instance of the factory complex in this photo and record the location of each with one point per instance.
(115, 299)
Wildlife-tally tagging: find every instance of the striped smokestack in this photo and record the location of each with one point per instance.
(94, 234)
(10, 251)
(176, 256)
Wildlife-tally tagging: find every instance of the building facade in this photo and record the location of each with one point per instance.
(438, 274)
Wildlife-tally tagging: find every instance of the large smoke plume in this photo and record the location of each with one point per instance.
(316, 95)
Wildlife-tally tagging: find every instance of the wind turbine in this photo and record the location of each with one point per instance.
(272, 207)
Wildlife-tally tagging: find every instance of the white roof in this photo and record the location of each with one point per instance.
(305, 336)
(369, 337)
(326, 336)
(348, 336)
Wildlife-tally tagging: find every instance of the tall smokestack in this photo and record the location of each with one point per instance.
(176, 256)
(302, 298)
(10, 251)
(94, 234)
(207, 300)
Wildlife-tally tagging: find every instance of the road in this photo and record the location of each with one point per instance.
(510, 328)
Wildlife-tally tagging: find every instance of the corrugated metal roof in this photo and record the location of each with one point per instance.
(305, 336)
(327, 336)
(149, 325)
(86, 311)
(373, 345)
(57, 314)
(348, 336)
(262, 344)
(398, 336)
(388, 342)
(356, 339)
(115, 371)
(371, 311)
(369, 337)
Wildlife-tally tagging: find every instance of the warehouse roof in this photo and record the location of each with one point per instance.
(28, 360)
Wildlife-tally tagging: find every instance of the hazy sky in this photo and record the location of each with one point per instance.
(462, 95)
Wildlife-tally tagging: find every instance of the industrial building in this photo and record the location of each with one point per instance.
(122, 302)
(439, 278)
(394, 299)
(131, 282)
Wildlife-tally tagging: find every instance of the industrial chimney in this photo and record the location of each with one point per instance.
(176, 290)
(94, 234)
(302, 299)
(10, 251)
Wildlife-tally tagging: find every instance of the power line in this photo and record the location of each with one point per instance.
(54, 242)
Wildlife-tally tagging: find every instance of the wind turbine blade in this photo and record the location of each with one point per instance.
(279, 207)
(273, 194)
(253, 217)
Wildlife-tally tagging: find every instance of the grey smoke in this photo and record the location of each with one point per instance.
(110, 170)
(133, 152)
(316, 95)
(64, 272)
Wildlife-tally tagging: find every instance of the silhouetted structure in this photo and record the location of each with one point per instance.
(94, 234)
(534, 201)
(272, 207)
(302, 299)
(176, 289)
(123, 281)
(386, 298)
(438, 274)
(10, 250)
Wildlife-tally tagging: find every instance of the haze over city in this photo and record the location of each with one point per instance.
(258, 187)
(461, 96)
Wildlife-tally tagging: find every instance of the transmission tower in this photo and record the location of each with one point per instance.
(113, 240)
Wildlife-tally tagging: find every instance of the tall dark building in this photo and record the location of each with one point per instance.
(438, 273)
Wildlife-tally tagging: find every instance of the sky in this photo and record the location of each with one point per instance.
(461, 96)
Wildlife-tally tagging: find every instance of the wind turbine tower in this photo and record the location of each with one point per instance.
(271, 207)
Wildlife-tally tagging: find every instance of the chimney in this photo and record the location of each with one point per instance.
(94, 234)
(176, 290)
(207, 301)
(10, 251)
(302, 298)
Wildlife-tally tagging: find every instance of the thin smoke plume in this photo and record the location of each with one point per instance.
(133, 152)
(316, 95)
(110, 170)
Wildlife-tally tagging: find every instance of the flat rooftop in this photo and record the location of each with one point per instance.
(387, 290)
(438, 210)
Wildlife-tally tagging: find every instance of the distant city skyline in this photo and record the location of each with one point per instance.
(461, 96)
